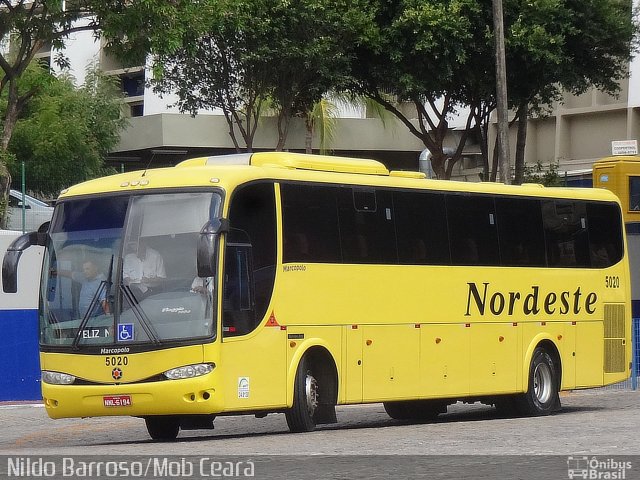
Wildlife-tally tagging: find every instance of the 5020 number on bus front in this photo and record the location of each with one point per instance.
(611, 281)
(116, 361)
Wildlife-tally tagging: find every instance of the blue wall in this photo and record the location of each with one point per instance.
(19, 358)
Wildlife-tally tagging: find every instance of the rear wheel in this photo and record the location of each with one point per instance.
(305, 400)
(163, 428)
(542, 396)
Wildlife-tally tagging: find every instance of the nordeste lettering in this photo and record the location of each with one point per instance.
(485, 301)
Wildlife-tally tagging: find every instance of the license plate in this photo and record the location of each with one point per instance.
(117, 400)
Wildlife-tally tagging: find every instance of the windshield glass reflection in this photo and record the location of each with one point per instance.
(122, 270)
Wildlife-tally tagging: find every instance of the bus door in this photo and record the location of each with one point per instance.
(253, 348)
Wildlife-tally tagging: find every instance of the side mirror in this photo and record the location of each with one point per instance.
(208, 246)
(12, 258)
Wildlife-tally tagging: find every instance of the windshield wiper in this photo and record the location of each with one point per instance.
(146, 324)
(104, 286)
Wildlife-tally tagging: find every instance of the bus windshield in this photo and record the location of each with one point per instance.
(121, 270)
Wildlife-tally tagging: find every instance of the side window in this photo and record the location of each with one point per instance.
(520, 232)
(472, 230)
(367, 231)
(421, 227)
(565, 229)
(634, 193)
(310, 223)
(250, 258)
(605, 234)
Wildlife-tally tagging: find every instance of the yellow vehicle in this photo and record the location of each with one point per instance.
(621, 175)
(280, 282)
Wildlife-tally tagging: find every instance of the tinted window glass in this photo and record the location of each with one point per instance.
(605, 234)
(520, 232)
(367, 236)
(634, 193)
(310, 224)
(565, 228)
(472, 230)
(421, 226)
(93, 214)
(251, 252)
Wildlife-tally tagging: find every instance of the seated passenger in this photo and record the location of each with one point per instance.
(143, 268)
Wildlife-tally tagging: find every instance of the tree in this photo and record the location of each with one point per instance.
(310, 48)
(26, 26)
(254, 53)
(426, 53)
(215, 66)
(438, 55)
(572, 46)
(64, 134)
(322, 119)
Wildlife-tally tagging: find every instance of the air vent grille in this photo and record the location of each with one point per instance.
(614, 339)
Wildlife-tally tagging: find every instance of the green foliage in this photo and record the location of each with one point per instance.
(544, 175)
(555, 45)
(286, 53)
(65, 132)
(425, 50)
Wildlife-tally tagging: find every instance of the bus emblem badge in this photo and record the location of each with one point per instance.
(116, 373)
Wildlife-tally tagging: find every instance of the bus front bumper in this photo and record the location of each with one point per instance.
(170, 397)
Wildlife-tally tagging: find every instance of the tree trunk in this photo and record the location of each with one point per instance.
(284, 120)
(308, 137)
(438, 163)
(494, 162)
(11, 115)
(5, 186)
(10, 119)
(484, 150)
(521, 140)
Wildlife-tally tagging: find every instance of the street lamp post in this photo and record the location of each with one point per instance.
(501, 94)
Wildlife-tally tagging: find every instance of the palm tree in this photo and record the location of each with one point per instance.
(323, 118)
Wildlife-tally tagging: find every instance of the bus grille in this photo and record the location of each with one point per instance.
(614, 339)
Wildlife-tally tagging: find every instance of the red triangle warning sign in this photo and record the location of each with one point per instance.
(272, 322)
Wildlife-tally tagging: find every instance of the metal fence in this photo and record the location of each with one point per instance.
(28, 206)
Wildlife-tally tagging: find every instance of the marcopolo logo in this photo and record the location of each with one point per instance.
(486, 300)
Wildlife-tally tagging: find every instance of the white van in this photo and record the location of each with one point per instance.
(36, 212)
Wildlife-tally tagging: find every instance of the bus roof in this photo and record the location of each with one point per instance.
(227, 171)
(618, 159)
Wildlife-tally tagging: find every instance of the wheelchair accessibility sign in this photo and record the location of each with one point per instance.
(125, 332)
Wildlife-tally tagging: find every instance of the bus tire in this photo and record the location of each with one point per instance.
(542, 396)
(163, 428)
(415, 409)
(305, 400)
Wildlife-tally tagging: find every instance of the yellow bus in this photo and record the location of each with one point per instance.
(281, 282)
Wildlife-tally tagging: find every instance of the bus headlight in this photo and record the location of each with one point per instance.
(189, 371)
(57, 378)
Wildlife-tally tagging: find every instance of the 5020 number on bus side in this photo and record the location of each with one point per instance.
(611, 281)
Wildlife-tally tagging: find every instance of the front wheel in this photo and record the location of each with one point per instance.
(305, 400)
(163, 428)
(542, 396)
